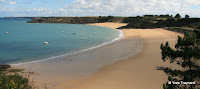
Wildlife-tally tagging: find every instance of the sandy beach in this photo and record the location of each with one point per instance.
(136, 72)
(130, 63)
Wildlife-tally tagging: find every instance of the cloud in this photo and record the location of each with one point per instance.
(191, 2)
(15, 12)
(60, 2)
(12, 2)
(131, 7)
(2, 0)
(113, 7)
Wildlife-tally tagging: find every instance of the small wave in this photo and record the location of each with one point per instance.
(120, 36)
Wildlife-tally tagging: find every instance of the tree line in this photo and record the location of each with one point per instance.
(155, 21)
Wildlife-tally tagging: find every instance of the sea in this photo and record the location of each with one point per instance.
(22, 42)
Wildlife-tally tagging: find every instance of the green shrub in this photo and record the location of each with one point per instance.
(11, 79)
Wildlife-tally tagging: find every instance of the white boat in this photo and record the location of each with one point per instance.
(45, 42)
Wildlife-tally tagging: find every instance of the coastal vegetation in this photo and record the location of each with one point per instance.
(144, 22)
(76, 20)
(186, 53)
(12, 78)
(155, 21)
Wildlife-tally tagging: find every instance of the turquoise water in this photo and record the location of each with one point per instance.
(23, 42)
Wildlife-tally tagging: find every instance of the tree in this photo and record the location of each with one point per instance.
(177, 16)
(198, 27)
(170, 22)
(110, 17)
(139, 22)
(186, 54)
(105, 19)
(187, 16)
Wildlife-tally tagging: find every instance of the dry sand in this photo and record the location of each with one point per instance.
(136, 72)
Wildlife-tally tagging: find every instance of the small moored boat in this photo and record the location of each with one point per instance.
(45, 42)
(83, 39)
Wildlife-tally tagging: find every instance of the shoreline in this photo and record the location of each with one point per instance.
(100, 68)
(82, 64)
(136, 72)
(120, 36)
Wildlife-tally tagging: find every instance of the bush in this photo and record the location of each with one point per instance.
(141, 24)
(11, 79)
(14, 81)
(152, 21)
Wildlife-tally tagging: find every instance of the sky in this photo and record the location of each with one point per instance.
(24, 8)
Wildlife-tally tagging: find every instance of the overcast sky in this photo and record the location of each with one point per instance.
(98, 7)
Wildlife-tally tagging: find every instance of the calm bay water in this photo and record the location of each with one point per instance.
(23, 42)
